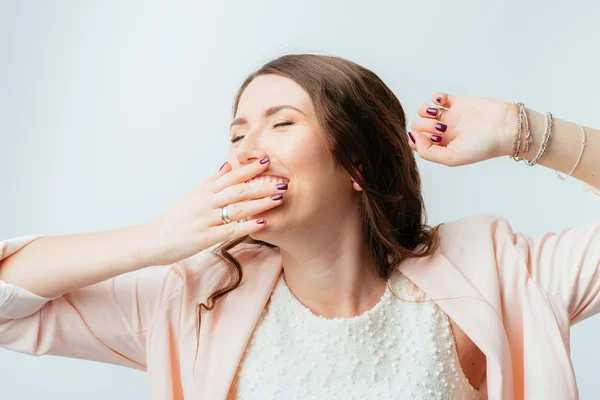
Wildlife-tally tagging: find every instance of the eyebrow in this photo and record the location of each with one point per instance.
(268, 112)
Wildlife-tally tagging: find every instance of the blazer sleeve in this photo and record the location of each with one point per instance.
(592, 191)
(566, 264)
(105, 322)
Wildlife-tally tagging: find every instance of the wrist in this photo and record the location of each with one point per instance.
(509, 130)
(146, 251)
(537, 125)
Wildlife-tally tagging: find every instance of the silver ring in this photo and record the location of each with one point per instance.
(225, 216)
(226, 219)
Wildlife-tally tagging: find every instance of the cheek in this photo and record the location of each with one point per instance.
(308, 154)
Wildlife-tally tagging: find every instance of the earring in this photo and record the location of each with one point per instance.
(356, 186)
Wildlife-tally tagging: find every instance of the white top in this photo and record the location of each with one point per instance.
(396, 350)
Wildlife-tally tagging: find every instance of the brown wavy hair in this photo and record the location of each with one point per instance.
(364, 124)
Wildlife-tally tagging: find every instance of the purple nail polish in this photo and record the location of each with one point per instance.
(264, 160)
(282, 186)
(441, 127)
(436, 138)
(222, 165)
(277, 197)
(432, 111)
(439, 99)
(260, 221)
(412, 138)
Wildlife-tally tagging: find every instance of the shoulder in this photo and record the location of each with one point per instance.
(476, 228)
(479, 235)
(476, 224)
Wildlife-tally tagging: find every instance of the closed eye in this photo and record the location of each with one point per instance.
(284, 123)
(277, 125)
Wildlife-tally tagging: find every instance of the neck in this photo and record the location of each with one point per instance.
(340, 284)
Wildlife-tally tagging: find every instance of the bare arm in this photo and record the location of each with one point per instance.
(53, 265)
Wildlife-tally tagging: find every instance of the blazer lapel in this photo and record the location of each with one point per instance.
(440, 279)
(237, 316)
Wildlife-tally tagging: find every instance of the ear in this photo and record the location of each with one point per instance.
(355, 185)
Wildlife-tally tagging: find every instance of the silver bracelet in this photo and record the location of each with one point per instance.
(545, 143)
(528, 137)
(517, 145)
(562, 178)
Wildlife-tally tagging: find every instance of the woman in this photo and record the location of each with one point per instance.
(337, 287)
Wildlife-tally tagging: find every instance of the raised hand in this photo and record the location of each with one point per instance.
(470, 129)
(194, 222)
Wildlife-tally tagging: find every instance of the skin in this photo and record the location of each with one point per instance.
(317, 226)
(479, 129)
(325, 261)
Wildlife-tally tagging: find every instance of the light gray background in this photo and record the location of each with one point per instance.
(110, 111)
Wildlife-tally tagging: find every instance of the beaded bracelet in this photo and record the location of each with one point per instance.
(519, 155)
(528, 139)
(547, 135)
(517, 138)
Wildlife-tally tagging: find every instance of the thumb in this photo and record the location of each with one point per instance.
(422, 142)
(428, 150)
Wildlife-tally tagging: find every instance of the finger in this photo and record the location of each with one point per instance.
(244, 199)
(443, 99)
(430, 151)
(411, 141)
(242, 192)
(222, 233)
(428, 111)
(240, 174)
(226, 167)
(432, 127)
(241, 199)
(244, 209)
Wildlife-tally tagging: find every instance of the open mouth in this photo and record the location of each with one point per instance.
(269, 178)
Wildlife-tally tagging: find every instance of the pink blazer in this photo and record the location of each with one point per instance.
(514, 296)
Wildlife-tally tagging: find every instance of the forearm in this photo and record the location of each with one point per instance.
(54, 265)
(565, 146)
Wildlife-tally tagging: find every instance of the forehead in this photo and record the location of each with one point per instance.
(272, 90)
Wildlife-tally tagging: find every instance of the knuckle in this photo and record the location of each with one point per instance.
(231, 229)
(238, 208)
(214, 187)
(241, 191)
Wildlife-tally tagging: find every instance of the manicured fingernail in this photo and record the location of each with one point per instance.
(432, 111)
(277, 197)
(260, 221)
(439, 99)
(412, 138)
(441, 127)
(436, 138)
(282, 186)
(222, 165)
(264, 160)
